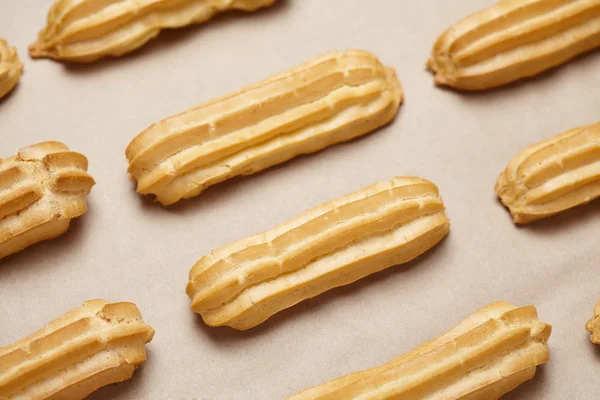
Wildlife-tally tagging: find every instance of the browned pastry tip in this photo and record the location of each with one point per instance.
(42, 188)
(10, 68)
(89, 347)
(514, 39)
(593, 325)
(553, 175)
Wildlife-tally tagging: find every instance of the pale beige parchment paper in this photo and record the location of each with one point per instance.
(126, 248)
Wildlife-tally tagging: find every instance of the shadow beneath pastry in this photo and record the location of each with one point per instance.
(126, 389)
(10, 94)
(568, 219)
(224, 335)
(147, 202)
(168, 38)
(39, 254)
(525, 84)
(529, 389)
(595, 348)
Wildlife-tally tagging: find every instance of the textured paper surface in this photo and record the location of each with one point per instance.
(129, 249)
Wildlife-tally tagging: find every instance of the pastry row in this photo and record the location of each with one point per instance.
(488, 354)
(508, 41)
(327, 100)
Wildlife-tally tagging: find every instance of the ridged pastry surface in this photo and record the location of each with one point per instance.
(89, 347)
(388, 223)
(484, 357)
(42, 188)
(10, 68)
(593, 325)
(514, 39)
(87, 30)
(330, 99)
(553, 175)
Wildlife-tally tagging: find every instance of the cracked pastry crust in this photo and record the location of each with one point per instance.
(553, 175)
(593, 325)
(10, 68)
(89, 347)
(328, 100)
(87, 30)
(514, 39)
(243, 284)
(42, 188)
(484, 357)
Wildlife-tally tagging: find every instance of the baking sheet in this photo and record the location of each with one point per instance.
(129, 249)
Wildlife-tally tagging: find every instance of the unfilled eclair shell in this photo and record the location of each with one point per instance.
(388, 223)
(593, 325)
(553, 175)
(514, 39)
(328, 100)
(87, 30)
(10, 68)
(42, 188)
(89, 347)
(484, 357)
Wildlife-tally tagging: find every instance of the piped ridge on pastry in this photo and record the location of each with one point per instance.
(89, 347)
(10, 68)
(388, 223)
(593, 325)
(514, 39)
(553, 175)
(42, 188)
(87, 30)
(484, 357)
(331, 99)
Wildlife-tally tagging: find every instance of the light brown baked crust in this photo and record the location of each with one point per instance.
(42, 188)
(87, 30)
(593, 325)
(553, 175)
(10, 68)
(334, 244)
(328, 100)
(485, 356)
(514, 39)
(89, 347)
